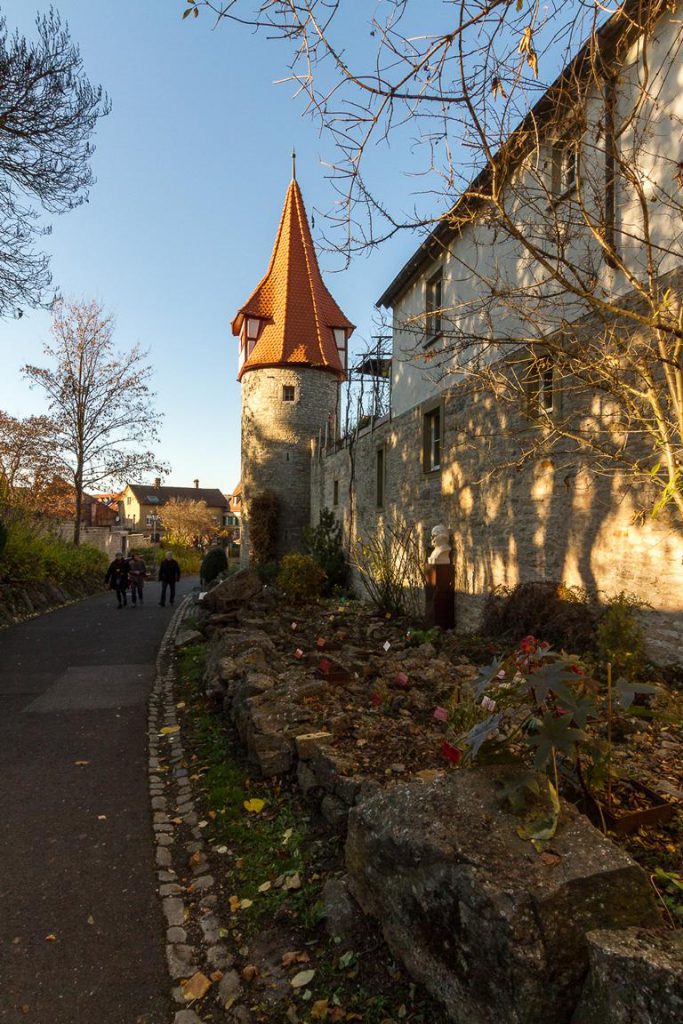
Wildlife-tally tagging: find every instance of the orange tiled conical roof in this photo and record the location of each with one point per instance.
(297, 314)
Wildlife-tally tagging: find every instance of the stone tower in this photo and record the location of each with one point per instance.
(293, 341)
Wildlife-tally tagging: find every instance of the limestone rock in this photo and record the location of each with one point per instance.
(187, 637)
(328, 771)
(343, 916)
(306, 743)
(233, 593)
(636, 977)
(269, 721)
(492, 930)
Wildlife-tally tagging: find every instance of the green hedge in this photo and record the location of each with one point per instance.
(32, 557)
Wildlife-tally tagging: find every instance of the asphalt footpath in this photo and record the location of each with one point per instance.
(81, 930)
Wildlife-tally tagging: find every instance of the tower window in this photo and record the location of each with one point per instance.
(288, 393)
(335, 492)
(340, 342)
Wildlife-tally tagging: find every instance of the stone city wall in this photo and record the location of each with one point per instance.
(552, 518)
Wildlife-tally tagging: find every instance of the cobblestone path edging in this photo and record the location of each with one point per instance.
(195, 952)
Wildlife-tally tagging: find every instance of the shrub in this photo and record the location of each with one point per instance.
(215, 562)
(324, 543)
(541, 711)
(301, 577)
(263, 524)
(189, 559)
(391, 569)
(267, 572)
(565, 616)
(31, 556)
(620, 638)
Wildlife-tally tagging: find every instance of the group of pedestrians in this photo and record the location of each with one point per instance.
(127, 575)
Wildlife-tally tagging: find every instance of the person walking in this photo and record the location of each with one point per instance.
(117, 578)
(169, 574)
(137, 570)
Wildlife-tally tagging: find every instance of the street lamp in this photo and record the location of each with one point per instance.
(154, 519)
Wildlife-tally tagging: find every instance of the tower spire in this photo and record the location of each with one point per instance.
(293, 164)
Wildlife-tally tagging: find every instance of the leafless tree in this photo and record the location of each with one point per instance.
(552, 200)
(100, 401)
(48, 112)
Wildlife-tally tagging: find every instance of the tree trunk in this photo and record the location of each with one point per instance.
(79, 504)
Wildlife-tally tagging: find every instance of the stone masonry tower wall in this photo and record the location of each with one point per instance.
(293, 346)
(276, 443)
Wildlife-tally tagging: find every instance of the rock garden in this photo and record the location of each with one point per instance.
(487, 830)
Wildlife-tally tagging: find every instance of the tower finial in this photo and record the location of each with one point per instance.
(293, 164)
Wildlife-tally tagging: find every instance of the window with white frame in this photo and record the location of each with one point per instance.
(434, 305)
(564, 167)
(340, 342)
(431, 452)
(542, 385)
(546, 383)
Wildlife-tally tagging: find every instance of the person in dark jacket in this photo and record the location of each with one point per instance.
(169, 574)
(136, 574)
(117, 578)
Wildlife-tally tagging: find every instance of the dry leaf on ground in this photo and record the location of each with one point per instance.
(197, 986)
(255, 805)
(294, 957)
(302, 979)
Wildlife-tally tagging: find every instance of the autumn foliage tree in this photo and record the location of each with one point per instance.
(100, 401)
(187, 521)
(29, 462)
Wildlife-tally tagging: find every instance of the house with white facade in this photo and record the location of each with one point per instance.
(537, 381)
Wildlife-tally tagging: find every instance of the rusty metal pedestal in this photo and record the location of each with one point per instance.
(440, 596)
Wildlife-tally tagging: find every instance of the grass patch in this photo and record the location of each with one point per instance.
(277, 859)
(266, 846)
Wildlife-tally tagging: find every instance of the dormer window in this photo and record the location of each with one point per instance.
(250, 334)
(340, 342)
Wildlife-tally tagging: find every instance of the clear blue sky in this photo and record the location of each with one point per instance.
(192, 166)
